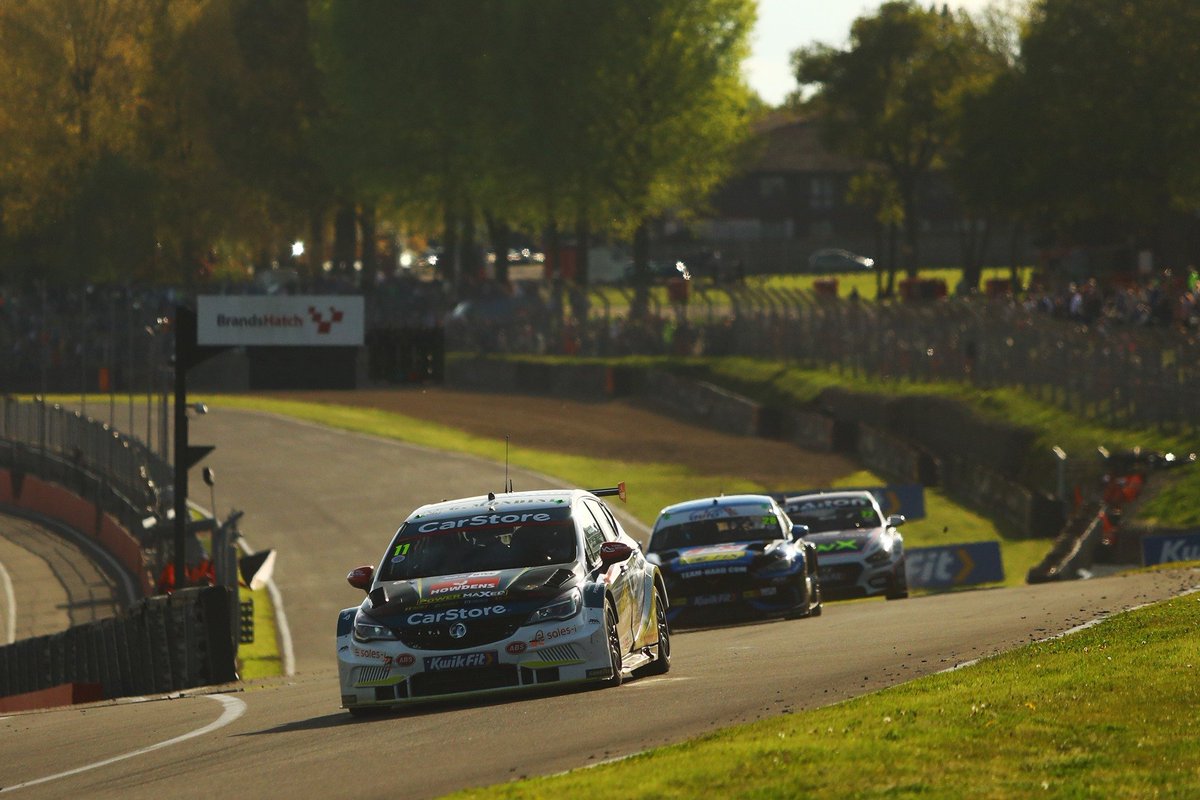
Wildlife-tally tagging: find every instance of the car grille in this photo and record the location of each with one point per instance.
(479, 632)
(368, 675)
(839, 575)
(716, 584)
(426, 684)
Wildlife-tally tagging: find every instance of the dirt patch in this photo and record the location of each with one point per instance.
(616, 429)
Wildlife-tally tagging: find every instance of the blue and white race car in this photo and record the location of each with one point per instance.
(861, 553)
(502, 592)
(734, 556)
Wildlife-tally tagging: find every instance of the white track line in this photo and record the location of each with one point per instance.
(287, 655)
(10, 605)
(233, 708)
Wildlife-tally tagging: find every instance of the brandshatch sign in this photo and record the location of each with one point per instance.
(280, 320)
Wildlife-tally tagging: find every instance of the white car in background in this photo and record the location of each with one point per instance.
(859, 551)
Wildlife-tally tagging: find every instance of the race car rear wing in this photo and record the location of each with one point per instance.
(618, 490)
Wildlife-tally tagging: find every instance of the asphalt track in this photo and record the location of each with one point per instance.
(328, 501)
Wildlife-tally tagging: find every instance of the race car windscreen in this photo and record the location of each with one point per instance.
(834, 514)
(696, 533)
(426, 548)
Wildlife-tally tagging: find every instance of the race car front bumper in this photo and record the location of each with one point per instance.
(387, 672)
(846, 577)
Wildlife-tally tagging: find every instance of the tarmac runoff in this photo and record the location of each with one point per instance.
(48, 582)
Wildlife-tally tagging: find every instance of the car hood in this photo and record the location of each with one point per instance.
(688, 559)
(842, 542)
(487, 587)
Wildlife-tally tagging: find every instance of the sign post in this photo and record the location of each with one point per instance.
(187, 355)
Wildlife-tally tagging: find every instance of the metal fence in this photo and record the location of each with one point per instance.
(120, 474)
(1120, 374)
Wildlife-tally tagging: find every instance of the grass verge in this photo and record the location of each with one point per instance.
(652, 486)
(1105, 712)
(260, 658)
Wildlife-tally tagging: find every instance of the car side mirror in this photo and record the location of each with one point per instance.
(360, 577)
(896, 520)
(799, 530)
(614, 553)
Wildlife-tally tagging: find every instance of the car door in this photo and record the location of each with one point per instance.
(621, 578)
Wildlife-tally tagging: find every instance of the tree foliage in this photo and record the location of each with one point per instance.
(1110, 88)
(892, 97)
(527, 115)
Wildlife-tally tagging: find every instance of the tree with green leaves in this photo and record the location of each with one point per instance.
(891, 98)
(672, 107)
(67, 111)
(1106, 94)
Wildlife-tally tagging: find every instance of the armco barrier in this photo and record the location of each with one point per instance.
(47, 499)
(162, 644)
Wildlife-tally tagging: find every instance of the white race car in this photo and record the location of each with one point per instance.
(859, 552)
(502, 592)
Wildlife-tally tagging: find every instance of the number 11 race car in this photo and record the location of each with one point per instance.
(502, 592)
(730, 557)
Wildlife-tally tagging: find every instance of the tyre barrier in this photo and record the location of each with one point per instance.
(162, 644)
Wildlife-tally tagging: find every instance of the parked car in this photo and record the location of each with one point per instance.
(502, 592)
(734, 556)
(660, 271)
(833, 259)
(860, 551)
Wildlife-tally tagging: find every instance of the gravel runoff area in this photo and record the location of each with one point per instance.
(615, 429)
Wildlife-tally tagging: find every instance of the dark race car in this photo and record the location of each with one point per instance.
(502, 592)
(861, 552)
(725, 558)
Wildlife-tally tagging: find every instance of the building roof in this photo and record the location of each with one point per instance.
(787, 142)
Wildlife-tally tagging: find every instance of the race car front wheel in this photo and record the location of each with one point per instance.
(662, 656)
(897, 589)
(615, 657)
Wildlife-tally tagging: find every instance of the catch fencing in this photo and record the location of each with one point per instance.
(80, 469)
(117, 473)
(1119, 373)
(1122, 375)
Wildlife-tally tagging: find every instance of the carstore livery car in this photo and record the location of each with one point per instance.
(861, 554)
(734, 556)
(501, 592)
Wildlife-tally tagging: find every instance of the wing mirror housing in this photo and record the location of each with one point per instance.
(360, 577)
(799, 530)
(895, 520)
(614, 553)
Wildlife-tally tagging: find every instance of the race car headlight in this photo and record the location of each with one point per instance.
(654, 559)
(367, 629)
(776, 562)
(564, 607)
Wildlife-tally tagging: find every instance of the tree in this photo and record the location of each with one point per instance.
(671, 106)
(68, 103)
(1109, 88)
(891, 97)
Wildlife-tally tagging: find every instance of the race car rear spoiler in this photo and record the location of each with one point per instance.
(618, 490)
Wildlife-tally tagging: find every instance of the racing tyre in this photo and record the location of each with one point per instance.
(615, 656)
(812, 608)
(897, 590)
(662, 656)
